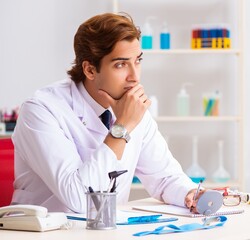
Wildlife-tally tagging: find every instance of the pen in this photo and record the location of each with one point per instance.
(196, 194)
(94, 198)
(150, 218)
(101, 207)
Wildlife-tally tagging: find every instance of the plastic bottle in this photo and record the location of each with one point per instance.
(183, 101)
(147, 35)
(154, 106)
(165, 37)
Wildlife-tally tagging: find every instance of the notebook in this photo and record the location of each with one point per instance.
(182, 211)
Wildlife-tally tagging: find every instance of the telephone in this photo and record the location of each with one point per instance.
(30, 218)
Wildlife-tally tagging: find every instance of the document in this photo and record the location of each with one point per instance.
(129, 217)
(182, 211)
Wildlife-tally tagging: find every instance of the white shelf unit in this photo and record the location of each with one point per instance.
(222, 68)
(193, 51)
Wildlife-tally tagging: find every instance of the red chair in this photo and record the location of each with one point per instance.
(6, 171)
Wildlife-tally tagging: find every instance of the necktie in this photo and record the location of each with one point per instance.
(106, 118)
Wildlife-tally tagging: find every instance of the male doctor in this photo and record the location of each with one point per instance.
(62, 145)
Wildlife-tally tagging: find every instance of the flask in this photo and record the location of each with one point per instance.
(147, 35)
(183, 101)
(221, 175)
(195, 172)
(165, 37)
(153, 109)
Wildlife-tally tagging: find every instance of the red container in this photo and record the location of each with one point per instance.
(6, 171)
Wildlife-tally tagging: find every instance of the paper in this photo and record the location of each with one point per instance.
(122, 217)
(182, 211)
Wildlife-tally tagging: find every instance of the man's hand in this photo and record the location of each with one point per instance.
(130, 108)
(190, 202)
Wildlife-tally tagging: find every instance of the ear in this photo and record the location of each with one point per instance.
(88, 70)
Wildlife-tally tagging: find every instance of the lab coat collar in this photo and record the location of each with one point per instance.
(85, 113)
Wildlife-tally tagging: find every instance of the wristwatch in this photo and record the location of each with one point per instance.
(119, 131)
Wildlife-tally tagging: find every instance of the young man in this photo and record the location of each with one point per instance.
(61, 144)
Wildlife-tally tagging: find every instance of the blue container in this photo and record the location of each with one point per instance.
(147, 42)
(165, 40)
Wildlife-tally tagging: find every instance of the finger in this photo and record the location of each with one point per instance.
(189, 202)
(189, 199)
(148, 102)
(194, 202)
(143, 98)
(193, 209)
(138, 90)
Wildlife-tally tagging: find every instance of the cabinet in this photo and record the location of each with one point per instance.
(165, 71)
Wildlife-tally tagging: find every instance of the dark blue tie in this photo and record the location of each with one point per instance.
(106, 118)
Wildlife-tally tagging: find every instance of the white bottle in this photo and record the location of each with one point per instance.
(153, 109)
(165, 37)
(183, 108)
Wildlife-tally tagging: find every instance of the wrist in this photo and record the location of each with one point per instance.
(119, 131)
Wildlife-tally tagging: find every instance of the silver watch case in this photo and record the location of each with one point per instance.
(119, 131)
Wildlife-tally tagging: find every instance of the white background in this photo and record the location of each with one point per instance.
(36, 47)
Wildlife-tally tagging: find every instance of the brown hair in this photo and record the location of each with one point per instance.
(97, 37)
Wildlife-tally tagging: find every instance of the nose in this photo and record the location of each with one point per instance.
(134, 73)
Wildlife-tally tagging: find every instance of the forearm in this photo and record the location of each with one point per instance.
(116, 145)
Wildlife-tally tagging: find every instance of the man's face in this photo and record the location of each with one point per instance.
(120, 70)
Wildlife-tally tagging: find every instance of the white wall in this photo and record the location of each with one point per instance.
(36, 47)
(36, 42)
(247, 105)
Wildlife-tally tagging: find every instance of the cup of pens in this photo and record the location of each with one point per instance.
(101, 210)
(211, 103)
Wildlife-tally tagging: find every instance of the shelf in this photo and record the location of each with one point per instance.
(192, 51)
(207, 184)
(6, 135)
(221, 69)
(137, 186)
(198, 119)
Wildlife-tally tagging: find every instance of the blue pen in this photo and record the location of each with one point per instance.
(150, 218)
(147, 220)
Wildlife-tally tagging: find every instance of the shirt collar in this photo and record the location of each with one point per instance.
(98, 109)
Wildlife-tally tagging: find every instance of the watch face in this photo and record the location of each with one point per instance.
(117, 131)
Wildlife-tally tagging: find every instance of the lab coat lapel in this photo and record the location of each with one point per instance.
(85, 112)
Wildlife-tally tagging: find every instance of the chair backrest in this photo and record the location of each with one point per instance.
(6, 171)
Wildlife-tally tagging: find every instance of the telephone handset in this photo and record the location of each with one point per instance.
(30, 218)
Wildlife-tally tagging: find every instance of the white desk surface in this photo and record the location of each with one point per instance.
(237, 227)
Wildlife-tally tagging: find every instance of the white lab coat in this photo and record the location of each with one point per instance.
(59, 150)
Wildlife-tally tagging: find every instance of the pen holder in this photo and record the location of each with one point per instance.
(211, 104)
(101, 210)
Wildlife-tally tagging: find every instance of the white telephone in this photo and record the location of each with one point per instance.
(30, 218)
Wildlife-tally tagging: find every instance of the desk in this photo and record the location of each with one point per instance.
(236, 228)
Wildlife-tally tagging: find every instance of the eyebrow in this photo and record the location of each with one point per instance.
(124, 59)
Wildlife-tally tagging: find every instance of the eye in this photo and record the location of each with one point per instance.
(120, 64)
